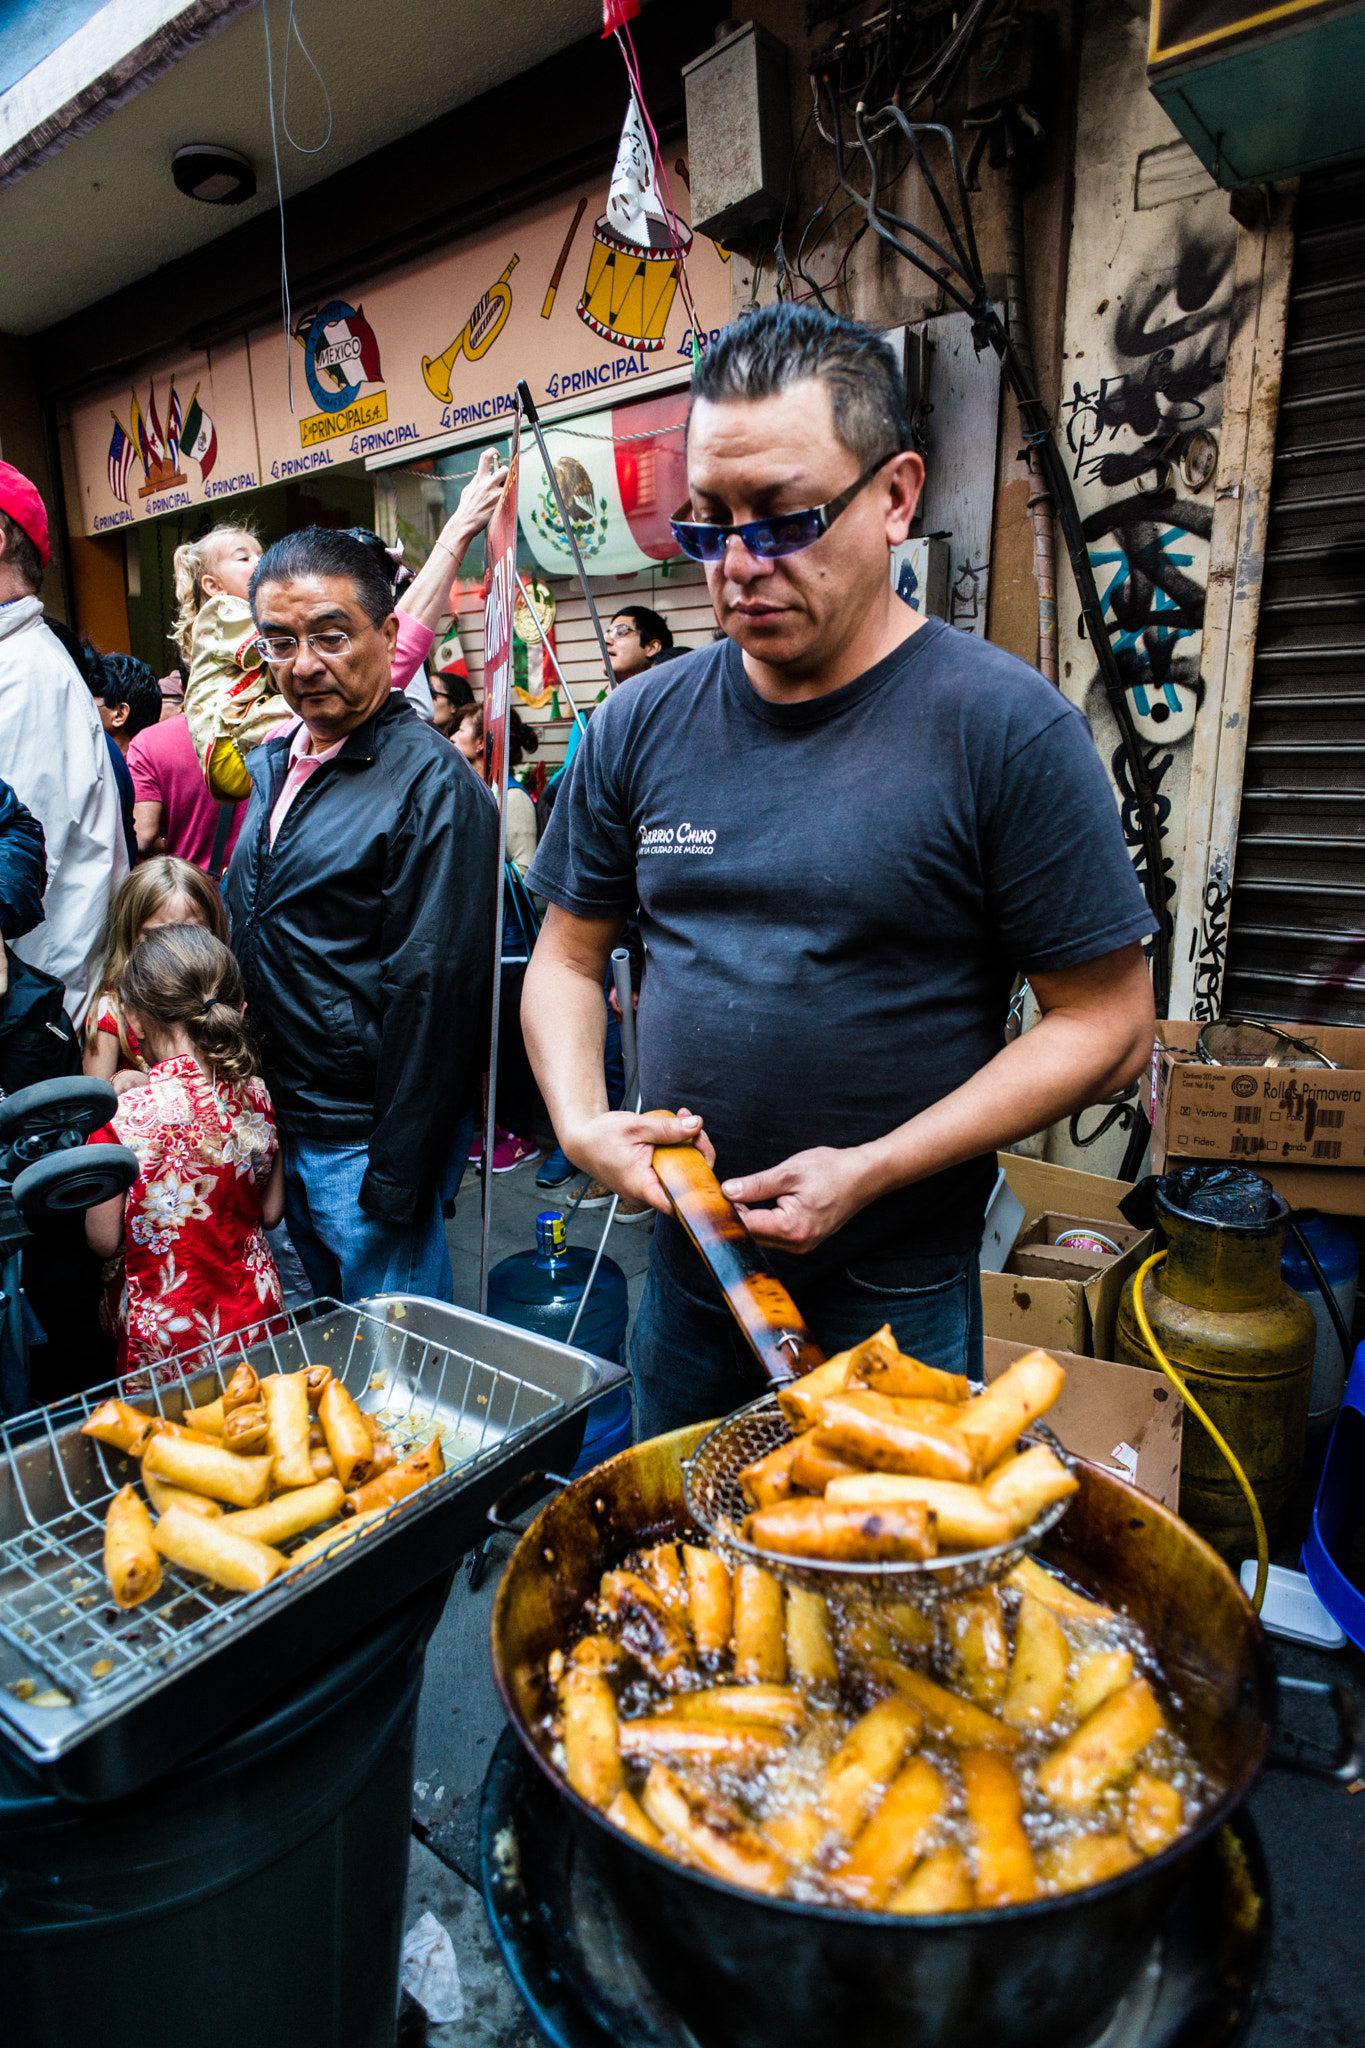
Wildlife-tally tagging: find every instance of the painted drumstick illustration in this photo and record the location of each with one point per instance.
(548, 307)
(475, 338)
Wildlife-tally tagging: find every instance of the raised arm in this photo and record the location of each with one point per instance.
(427, 597)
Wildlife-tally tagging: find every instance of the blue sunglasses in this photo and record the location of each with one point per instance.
(769, 539)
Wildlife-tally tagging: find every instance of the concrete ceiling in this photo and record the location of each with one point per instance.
(104, 211)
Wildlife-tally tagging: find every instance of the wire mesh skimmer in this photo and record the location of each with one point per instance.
(716, 1503)
(195, 1657)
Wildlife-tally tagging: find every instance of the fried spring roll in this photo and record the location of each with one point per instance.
(896, 1836)
(814, 1466)
(209, 1418)
(956, 1720)
(1038, 1673)
(800, 1400)
(796, 1835)
(907, 1379)
(772, 1706)
(1005, 1874)
(286, 1419)
(289, 1515)
(1026, 1486)
(942, 1884)
(398, 1482)
(243, 1390)
(891, 1533)
(910, 1626)
(1023, 1392)
(966, 1520)
(1097, 1677)
(760, 1637)
(213, 1550)
(338, 1538)
(627, 1814)
(218, 1472)
(1154, 1814)
(596, 1653)
(663, 1568)
(738, 1744)
(245, 1429)
(348, 1440)
(710, 1604)
(317, 1379)
(1029, 1576)
(1105, 1747)
(161, 1427)
(975, 1626)
(646, 1626)
(712, 1833)
(163, 1496)
(770, 1479)
(320, 1458)
(810, 1648)
(592, 1755)
(385, 1456)
(1088, 1859)
(865, 1760)
(128, 1429)
(873, 1429)
(131, 1564)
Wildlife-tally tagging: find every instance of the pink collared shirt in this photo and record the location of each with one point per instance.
(301, 766)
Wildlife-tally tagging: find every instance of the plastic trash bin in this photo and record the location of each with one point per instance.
(1332, 1548)
(253, 1898)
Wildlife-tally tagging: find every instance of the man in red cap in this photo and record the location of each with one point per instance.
(52, 753)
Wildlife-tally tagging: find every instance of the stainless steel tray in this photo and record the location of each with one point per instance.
(98, 1701)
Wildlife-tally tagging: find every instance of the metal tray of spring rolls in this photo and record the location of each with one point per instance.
(97, 1702)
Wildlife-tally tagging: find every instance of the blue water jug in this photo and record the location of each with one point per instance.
(1340, 1261)
(540, 1290)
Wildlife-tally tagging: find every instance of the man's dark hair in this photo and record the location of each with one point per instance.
(121, 679)
(322, 551)
(765, 352)
(648, 624)
(21, 554)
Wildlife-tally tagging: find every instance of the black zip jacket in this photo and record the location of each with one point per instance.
(366, 941)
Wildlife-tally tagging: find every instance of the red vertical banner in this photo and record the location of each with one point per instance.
(499, 600)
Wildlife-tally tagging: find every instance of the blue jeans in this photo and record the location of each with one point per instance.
(349, 1254)
(690, 1362)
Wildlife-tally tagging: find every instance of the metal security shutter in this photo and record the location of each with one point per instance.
(1296, 947)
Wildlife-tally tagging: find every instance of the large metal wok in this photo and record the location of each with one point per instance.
(751, 1972)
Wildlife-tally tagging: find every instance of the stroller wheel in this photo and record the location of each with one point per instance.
(74, 1180)
(64, 1111)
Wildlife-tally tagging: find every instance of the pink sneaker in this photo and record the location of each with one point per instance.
(510, 1151)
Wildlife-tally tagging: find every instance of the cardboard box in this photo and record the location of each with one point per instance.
(1121, 1417)
(1301, 1128)
(1073, 1315)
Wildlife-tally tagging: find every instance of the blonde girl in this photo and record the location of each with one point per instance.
(163, 891)
(210, 1174)
(231, 702)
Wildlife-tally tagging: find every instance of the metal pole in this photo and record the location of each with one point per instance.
(563, 679)
(630, 1053)
(527, 404)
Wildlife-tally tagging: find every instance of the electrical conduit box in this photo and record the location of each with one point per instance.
(739, 140)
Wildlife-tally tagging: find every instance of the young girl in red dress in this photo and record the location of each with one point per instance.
(211, 1177)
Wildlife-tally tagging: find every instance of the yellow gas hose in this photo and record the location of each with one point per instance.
(1262, 1541)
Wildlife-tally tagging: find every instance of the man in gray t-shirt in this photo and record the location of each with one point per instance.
(844, 829)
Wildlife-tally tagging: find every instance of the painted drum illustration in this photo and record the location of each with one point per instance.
(630, 288)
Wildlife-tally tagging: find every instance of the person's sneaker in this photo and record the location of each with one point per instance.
(596, 1195)
(476, 1154)
(628, 1210)
(556, 1170)
(510, 1151)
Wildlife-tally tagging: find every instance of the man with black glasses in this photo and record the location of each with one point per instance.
(361, 898)
(845, 828)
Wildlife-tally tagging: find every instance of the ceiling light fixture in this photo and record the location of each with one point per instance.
(218, 176)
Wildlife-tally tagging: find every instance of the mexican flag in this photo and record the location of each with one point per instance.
(199, 436)
(621, 473)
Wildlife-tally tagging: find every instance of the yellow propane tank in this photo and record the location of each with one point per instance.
(1244, 1341)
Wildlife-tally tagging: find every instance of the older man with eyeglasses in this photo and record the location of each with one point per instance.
(845, 828)
(361, 899)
